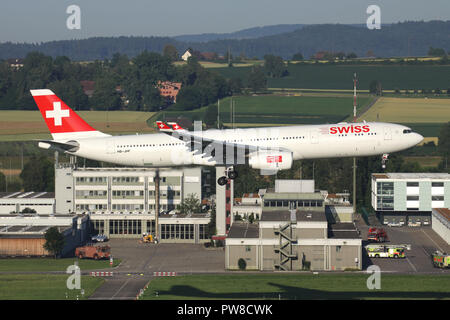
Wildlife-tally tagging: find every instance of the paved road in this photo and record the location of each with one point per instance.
(139, 261)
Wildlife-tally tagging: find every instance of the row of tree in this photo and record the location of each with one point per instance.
(120, 83)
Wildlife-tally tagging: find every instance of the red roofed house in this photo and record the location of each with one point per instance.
(169, 89)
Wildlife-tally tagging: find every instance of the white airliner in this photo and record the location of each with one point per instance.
(270, 149)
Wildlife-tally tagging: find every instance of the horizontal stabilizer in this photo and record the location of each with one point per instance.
(70, 146)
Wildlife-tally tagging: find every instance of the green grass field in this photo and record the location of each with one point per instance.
(279, 109)
(328, 76)
(49, 264)
(44, 287)
(425, 116)
(297, 286)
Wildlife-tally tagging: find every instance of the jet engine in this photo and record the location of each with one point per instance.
(270, 160)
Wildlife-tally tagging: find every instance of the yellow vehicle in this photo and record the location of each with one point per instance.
(147, 238)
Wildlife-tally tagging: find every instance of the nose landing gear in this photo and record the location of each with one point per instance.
(384, 159)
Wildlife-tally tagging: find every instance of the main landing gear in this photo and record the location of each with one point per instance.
(230, 174)
(384, 159)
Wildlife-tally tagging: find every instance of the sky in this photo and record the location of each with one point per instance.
(46, 20)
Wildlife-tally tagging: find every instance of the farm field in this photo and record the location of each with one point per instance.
(425, 116)
(297, 287)
(279, 109)
(29, 125)
(341, 76)
(425, 162)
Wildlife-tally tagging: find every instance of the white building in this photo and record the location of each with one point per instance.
(43, 203)
(408, 198)
(123, 190)
(186, 55)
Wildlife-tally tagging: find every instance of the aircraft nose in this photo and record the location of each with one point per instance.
(418, 138)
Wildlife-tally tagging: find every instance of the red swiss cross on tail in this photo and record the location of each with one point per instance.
(61, 120)
(162, 126)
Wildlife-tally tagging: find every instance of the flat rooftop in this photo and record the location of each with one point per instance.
(27, 195)
(242, 230)
(301, 215)
(399, 175)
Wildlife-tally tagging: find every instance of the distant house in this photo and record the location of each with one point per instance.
(15, 63)
(88, 87)
(169, 90)
(187, 55)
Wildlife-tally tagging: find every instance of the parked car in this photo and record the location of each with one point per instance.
(99, 238)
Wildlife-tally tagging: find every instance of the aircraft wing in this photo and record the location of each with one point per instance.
(208, 147)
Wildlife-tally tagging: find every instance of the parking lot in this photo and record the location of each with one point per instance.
(423, 240)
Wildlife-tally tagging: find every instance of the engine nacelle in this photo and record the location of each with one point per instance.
(270, 160)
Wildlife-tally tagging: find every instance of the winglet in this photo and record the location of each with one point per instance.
(163, 127)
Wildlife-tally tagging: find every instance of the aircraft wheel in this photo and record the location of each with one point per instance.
(222, 181)
(232, 175)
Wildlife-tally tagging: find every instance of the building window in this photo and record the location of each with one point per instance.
(437, 184)
(437, 198)
(412, 184)
(125, 227)
(412, 198)
(385, 188)
(385, 203)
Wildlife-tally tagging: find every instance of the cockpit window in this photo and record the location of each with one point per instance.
(407, 131)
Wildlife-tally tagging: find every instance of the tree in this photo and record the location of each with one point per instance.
(191, 204)
(38, 174)
(212, 223)
(54, 241)
(297, 57)
(274, 66)
(375, 87)
(210, 117)
(444, 143)
(170, 52)
(235, 85)
(436, 52)
(2, 182)
(257, 79)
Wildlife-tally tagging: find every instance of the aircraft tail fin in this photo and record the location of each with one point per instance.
(61, 120)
